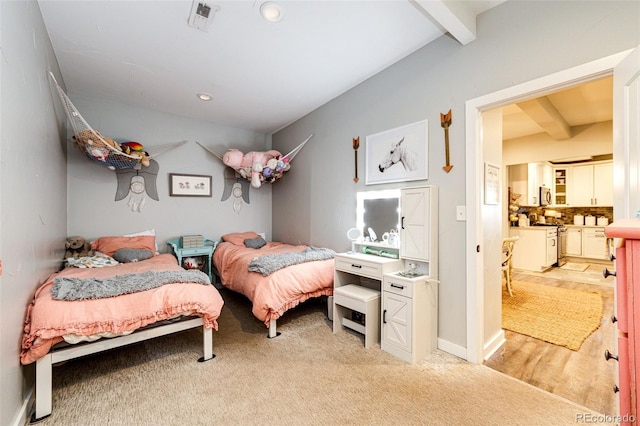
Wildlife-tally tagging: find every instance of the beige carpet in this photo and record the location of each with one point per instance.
(556, 315)
(306, 376)
(579, 267)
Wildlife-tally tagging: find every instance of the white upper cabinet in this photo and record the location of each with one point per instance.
(526, 180)
(591, 185)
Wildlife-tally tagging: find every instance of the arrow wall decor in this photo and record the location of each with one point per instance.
(445, 121)
(356, 145)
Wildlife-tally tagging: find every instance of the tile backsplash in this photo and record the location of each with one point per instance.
(569, 212)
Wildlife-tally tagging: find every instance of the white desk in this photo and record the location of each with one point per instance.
(350, 267)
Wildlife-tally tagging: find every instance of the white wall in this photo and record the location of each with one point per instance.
(92, 187)
(33, 187)
(517, 41)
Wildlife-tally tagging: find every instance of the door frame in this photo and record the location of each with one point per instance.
(477, 349)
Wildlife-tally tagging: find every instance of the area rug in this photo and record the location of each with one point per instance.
(580, 267)
(556, 315)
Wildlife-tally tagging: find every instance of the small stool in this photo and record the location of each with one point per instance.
(356, 298)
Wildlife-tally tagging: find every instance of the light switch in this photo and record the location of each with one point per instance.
(461, 213)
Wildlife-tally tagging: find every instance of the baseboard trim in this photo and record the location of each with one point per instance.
(22, 417)
(493, 345)
(452, 348)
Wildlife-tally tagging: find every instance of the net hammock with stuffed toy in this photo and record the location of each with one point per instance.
(101, 149)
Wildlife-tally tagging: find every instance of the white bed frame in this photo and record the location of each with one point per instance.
(272, 329)
(44, 365)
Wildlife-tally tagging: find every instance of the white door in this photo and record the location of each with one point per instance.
(626, 136)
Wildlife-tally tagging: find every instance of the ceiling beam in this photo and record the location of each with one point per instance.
(542, 111)
(455, 17)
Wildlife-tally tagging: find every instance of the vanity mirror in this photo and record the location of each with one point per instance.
(379, 211)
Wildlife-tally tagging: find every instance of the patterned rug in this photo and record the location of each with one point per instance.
(570, 266)
(556, 315)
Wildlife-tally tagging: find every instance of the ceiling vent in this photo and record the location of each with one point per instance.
(202, 15)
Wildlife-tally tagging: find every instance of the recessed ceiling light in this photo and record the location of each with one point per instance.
(271, 11)
(204, 96)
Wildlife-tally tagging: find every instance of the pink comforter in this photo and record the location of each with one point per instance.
(47, 320)
(276, 293)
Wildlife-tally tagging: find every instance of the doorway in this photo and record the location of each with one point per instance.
(482, 339)
(484, 333)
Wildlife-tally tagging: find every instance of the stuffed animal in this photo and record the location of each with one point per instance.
(88, 137)
(137, 150)
(252, 164)
(77, 246)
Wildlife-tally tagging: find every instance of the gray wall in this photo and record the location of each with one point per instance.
(92, 187)
(33, 195)
(517, 41)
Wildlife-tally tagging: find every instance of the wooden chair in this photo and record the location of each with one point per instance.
(507, 251)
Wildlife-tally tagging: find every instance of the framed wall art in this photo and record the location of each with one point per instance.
(397, 155)
(181, 185)
(491, 184)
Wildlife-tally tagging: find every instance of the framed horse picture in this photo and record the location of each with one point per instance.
(397, 155)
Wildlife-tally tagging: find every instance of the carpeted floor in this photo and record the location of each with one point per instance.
(308, 375)
(556, 315)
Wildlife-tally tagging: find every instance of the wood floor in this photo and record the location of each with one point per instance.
(582, 376)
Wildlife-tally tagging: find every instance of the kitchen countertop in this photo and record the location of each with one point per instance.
(548, 225)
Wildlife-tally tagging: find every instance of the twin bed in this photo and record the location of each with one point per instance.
(66, 321)
(289, 274)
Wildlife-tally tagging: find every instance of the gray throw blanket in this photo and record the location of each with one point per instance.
(97, 288)
(270, 263)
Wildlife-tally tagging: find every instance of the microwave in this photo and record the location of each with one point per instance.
(545, 196)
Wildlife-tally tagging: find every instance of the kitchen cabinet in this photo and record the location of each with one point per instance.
(591, 185)
(594, 243)
(526, 180)
(574, 241)
(587, 241)
(561, 176)
(536, 249)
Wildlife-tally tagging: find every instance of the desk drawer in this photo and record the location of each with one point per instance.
(196, 251)
(401, 287)
(359, 267)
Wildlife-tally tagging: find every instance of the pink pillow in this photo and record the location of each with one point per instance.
(109, 245)
(237, 238)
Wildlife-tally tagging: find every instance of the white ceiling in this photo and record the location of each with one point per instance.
(262, 75)
(558, 113)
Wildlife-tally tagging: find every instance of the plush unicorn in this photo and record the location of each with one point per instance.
(250, 165)
(399, 154)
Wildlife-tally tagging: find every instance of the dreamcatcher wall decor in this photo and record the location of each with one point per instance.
(136, 182)
(235, 185)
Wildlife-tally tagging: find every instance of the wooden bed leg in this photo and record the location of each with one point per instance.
(207, 344)
(43, 389)
(272, 329)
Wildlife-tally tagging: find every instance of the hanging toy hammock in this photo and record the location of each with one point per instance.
(259, 167)
(101, 149)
